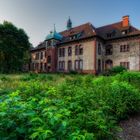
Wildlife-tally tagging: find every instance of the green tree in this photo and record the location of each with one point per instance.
(14, 48)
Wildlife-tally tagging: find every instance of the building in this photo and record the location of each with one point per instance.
(87, 49)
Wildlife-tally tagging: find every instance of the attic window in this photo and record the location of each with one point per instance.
(73, 37)
(124, 32)
(108, 35)
(112, 34)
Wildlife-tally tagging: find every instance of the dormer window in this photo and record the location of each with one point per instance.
(108, 35)
(112, 34)
(73, 37)
(124, 32)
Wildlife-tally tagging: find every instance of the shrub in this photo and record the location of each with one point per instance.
(73, 72)
(117, 69)
(79, 107)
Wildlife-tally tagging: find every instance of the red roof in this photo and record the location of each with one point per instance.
(88, 30)
(82, 31)
(115, 28)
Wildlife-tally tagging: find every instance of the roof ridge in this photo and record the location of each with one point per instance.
(76, 27)
(109, 25)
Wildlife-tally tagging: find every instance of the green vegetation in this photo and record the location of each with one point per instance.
(14, 48)
(115, 70)
(66, 107)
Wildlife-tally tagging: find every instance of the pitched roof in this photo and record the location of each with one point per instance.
(116, 30)
(82, 31)
(88, 30)
(39, 47)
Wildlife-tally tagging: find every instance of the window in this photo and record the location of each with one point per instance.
(125, 64)
(63, 52)
(41, 55)
(37, 56)
(41, 66)
(78, 64)
(60, 52)
(109, 50)
(108, 64)
(108, 35)
(99, 49)
(45, 54)
(49, 59)
(69, 65)
(33, 66)
(76, 50)
(73, 37)
(61, 65)
(99, 65)
(33, 56)
(49, 43)
(124, 32)
(36, 66)
(80, 50)
(111, 34)
(45, 66)
(69, 51)
(124, 48)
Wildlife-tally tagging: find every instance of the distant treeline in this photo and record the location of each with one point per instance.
(14, 48)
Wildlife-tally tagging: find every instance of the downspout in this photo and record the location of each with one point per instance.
(139, 54)
(95, 56)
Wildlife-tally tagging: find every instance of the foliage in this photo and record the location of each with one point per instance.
(14, 47)
(73, 107)
(115, 70)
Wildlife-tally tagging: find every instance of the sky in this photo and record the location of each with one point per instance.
(37, 17)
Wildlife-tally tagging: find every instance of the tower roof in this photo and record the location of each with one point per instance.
(69, 24)
(54, 35)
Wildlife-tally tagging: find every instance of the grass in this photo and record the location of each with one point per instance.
(73, 107)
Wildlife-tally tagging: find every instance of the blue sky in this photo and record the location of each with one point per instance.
(37, 17)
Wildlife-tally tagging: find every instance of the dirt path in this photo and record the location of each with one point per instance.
(131, 128)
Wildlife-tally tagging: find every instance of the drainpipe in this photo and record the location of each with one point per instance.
(139, 54)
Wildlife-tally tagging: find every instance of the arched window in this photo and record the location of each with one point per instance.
(109, 50)
(108, 64)
(69, 51)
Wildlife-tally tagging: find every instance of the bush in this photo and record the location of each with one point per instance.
(79, 107)
(117, 69)
(114, 70)
(73, 72)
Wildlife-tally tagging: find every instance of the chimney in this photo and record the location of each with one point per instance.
(125, 21)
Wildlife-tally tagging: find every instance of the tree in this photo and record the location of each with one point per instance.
(14, 47)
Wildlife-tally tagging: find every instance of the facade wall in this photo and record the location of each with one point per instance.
(94, 59)
(132, 56)
(37, 61)
(87, 57)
